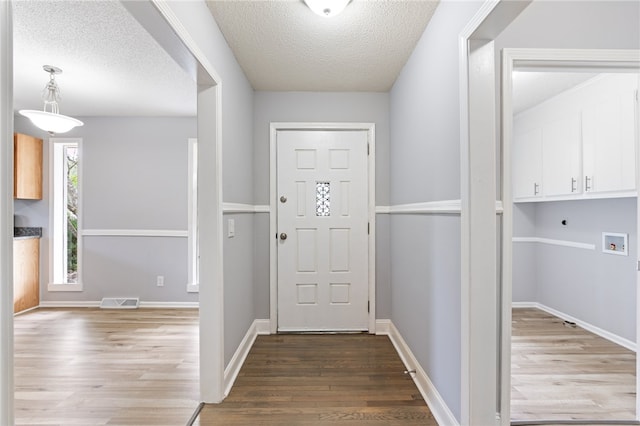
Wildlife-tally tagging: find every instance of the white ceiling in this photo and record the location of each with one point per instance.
(281, 45)
(111, 65)
(531, 88)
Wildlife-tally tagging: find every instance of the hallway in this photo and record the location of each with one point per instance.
(321, 380)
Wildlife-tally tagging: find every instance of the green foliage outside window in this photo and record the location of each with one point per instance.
(72, 214)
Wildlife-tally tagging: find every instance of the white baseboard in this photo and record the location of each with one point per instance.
(170, 305)
(438, 407)
(69, 304)
(90, 304)
(263, 326)
(382, 326)
(259, 326)
(632, 346)
(25, 311)
(525, 305)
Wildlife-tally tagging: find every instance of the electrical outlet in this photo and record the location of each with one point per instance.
(231, 228)
(160, 281)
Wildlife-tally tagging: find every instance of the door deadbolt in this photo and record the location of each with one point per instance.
(283, 199)
(283, 236)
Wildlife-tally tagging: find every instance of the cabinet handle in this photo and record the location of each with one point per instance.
(587, 183)
(536, 188)
(573, 185)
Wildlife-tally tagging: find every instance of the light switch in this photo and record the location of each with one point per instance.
(231, 228)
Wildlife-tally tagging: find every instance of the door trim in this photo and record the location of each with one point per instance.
(273, 248)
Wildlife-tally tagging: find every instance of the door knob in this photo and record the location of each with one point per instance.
(283, 236)
(283, 199)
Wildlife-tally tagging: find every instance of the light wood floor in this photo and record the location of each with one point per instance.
(321, 380)
(94, 367)
(117, 367)
(562, 373)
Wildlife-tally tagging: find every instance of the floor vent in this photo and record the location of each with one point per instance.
(117, 303)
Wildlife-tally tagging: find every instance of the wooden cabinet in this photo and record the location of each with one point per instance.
(579, 144)
(27, 167)
(26, 273)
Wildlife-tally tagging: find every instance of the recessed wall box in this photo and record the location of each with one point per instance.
(615, 243)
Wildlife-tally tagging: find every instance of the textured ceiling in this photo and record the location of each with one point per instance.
(111, 65)
(283, 46)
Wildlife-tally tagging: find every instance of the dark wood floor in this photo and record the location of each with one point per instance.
(318, 380)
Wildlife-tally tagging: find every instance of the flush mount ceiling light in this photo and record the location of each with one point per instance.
(327, 8)
(51, 121)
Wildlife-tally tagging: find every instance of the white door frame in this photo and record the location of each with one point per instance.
(210, 231)
(6, 213)
(210, 200)
(480, 348)
(485, 397)
(273, 209)
(544, 59)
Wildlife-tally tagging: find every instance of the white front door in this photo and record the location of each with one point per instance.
(322, 230)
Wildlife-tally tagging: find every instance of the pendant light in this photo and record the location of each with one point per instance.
(327, 8)
(51, 121)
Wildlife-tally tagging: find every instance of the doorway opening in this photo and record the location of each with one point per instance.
(555, 279)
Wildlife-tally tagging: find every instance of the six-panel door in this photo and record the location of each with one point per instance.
(322, 230)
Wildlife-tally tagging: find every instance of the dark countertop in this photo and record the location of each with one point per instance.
(23, 232)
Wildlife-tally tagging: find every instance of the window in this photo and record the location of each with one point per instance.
(323, 198)
(65, 212)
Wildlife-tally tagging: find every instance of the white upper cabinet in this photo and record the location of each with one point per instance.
(527, 162)
(561, 155)
(609, 135)
(578, 144)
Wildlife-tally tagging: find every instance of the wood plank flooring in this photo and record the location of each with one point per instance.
(562, 373)
(321, 380)
(140, 367)
(94, 367)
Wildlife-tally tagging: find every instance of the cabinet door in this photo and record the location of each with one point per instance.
(609, 136)
(527, 163)
(561, 155)
(26, 274)
(27, 167)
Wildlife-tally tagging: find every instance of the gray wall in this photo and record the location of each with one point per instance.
(134, 177)
(524, 262)
(425, 166)
(593, 286)
(238, 281)
(362, 107)
(320, 107)
(574, 24)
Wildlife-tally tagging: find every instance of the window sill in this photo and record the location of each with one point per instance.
(64, 287)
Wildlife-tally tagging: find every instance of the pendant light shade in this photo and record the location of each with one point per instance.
(327, 8)
(51, 121)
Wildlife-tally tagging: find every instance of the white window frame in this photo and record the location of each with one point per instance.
(56, 185)
(193, 283)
